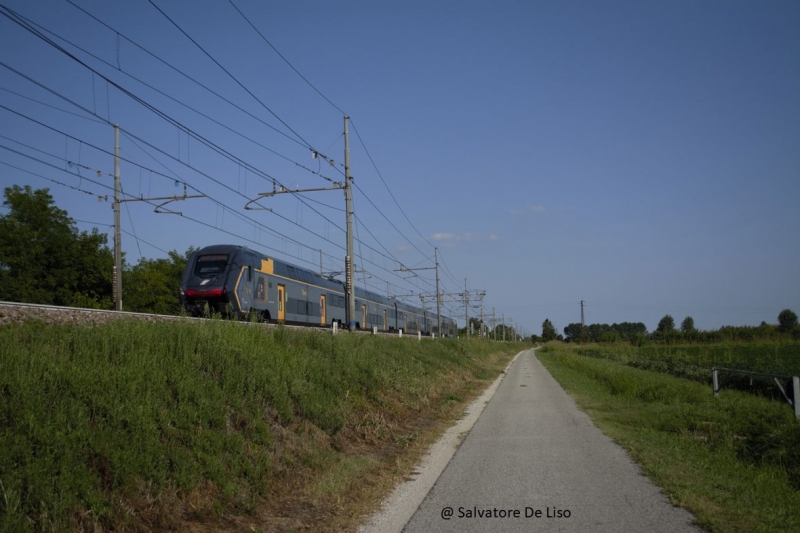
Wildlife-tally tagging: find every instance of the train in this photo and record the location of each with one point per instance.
(237, 281)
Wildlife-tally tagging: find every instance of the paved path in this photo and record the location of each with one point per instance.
(534, 462)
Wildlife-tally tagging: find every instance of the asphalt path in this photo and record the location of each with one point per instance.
(534, 462)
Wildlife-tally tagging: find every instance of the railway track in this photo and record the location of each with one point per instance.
(15, 313)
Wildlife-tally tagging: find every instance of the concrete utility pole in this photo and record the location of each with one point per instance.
(504, 327)
(466, 307)
(583, 324)
(403, 268)
(481, 332)
(348, 260)
(438, 296)
(116, 270)
(117, 273)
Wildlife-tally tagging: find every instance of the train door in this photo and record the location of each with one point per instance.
(323, 318)
(281, 303)
(363, 316)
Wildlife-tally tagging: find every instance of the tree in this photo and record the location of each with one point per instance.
(548, 331)
(45, 259)
(573, 332)
(687, 326)
(787, 321)
(152, 285)
(666, 325)
(630, 330)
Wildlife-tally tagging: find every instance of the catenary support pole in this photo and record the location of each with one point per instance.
(348, 197)
(117, 274)
(438, 296)
(466, 308)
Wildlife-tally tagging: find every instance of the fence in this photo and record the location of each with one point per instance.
(790, 390)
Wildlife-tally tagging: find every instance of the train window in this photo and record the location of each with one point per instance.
(210, 265)
(292, 272)
(301, 276)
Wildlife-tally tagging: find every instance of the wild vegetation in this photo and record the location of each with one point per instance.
(694, 361)
(45, 259)
(133, 426)
(733, 461)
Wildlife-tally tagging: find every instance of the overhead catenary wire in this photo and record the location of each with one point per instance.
(193, 109)
(189, 132)
(49, 179)
(357, 134)
(128, 135)
(355, 129)
(175, 123)
(284, 59)
(226, 71)
(206, 142)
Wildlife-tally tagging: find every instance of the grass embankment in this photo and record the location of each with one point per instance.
(734, 461)
(216, 426)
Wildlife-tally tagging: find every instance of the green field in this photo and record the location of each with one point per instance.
(134, 426)
(734, 461)
(694, 361)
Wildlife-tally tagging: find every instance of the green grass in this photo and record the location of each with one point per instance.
(694, 361)
(734, 461)
(98, 423)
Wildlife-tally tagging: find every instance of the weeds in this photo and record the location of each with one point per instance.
(94, 419)
(694, 361)
(734, 460)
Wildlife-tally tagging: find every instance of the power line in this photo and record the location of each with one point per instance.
(219, 204)
(130, 136)
(354, 128)
(203, 140)
(284, 59)
(387, 186)
(183, 104)
(51, 106)
(49, 179)
(229, 74)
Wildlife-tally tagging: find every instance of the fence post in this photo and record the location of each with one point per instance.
(796, 395)
(335, 327)
(419, 336)
(400, 332)
(715, 381)
(374, 330)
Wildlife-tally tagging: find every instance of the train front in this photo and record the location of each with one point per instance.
(204, 288)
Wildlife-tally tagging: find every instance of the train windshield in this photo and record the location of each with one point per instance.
(210, 265)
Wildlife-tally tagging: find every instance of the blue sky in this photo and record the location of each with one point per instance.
(643, 157)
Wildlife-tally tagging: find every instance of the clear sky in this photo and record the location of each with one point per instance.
(643, 157)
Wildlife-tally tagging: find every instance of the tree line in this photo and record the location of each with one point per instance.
(45, 259)
(666, 332)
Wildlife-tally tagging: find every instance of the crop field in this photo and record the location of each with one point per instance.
(131, 426)
(694, 361)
